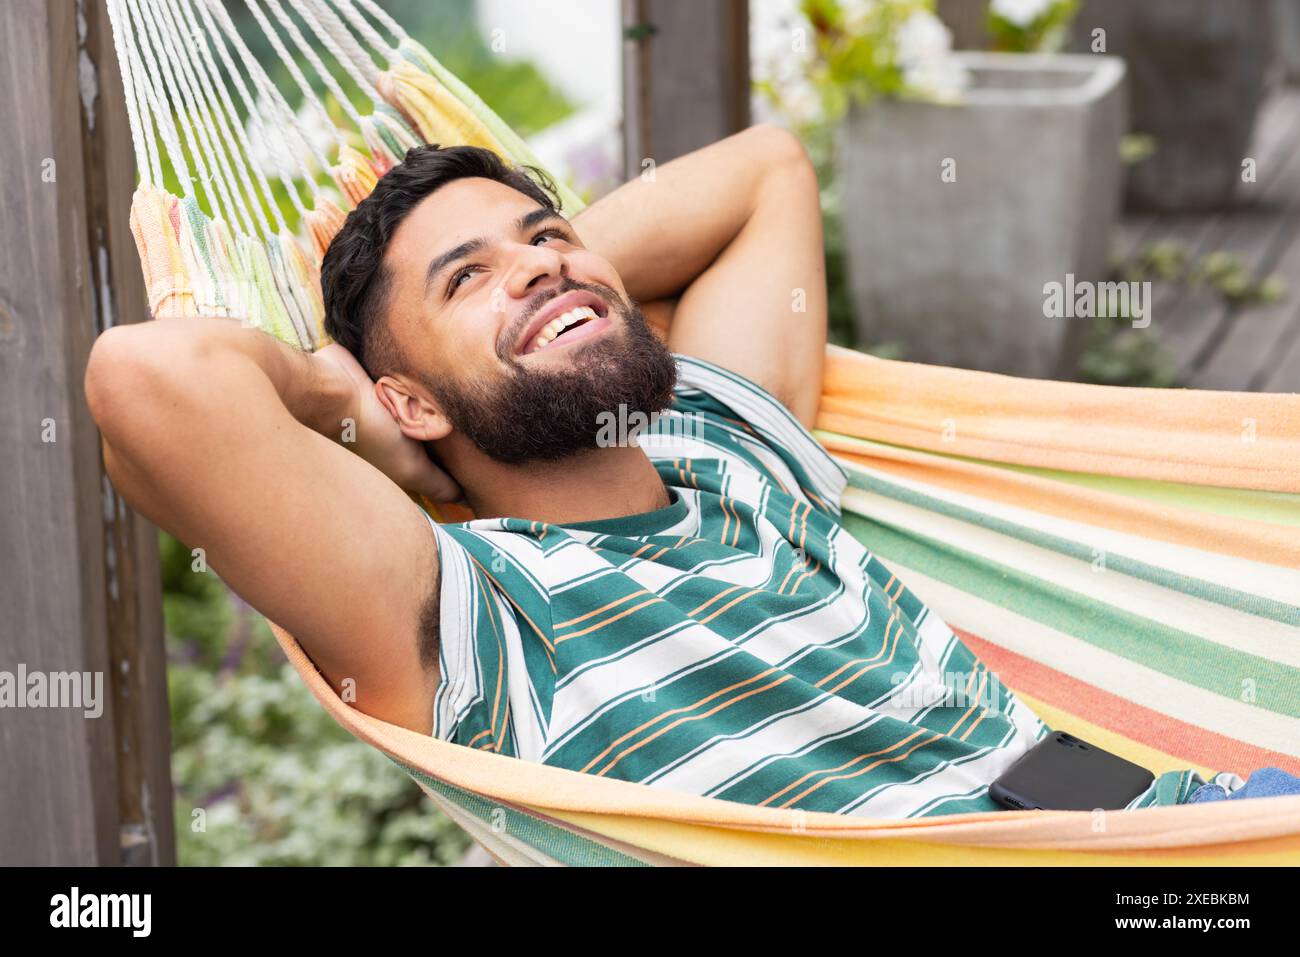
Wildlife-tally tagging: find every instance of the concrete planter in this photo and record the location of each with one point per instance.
(953, 266)
(1197, 72)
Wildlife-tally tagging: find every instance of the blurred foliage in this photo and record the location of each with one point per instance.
(1135, 147)
(863, 50)
(1118, 354)
(1045, 33)
(275, 780)
(515, 89)
(1163, 259)
(854, 57)
(1228, 275)
(1221, 271)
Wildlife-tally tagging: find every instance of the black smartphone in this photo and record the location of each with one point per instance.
(1064, 773)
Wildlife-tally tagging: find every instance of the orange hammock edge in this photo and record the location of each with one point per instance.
(1228, 824)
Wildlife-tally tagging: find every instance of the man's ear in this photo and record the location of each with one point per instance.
(417, 417)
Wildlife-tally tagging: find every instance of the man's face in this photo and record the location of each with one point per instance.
(522, 337)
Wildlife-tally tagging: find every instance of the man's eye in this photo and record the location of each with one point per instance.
(548, 234)
(465, 273)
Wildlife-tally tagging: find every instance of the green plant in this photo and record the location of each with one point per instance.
(865, 49)
(1135, 147)
(1223, 272)
(1164, 259)
(1229, 276)
(1030, 26)
(265, 777)
(262, 774)
(1119, 354)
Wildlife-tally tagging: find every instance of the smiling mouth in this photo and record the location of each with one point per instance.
(565, 318)
(560, 326)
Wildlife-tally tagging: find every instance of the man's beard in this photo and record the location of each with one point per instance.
(545, 414)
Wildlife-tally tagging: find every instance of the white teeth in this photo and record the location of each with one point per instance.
(582, 312)
(559, 324)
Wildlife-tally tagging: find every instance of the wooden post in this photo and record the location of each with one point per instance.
(685, 77)
(79, 585)
(966, 20)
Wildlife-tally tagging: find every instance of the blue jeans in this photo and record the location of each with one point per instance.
(1266, 782)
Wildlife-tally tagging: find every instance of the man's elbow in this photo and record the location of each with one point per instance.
(781, 149)
(126, 363)
(110, 367)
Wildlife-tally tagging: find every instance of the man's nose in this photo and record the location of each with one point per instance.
(532, 268)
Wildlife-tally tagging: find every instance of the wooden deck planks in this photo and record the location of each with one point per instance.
(1214, 345)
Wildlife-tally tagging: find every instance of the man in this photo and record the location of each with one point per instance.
(686, 612)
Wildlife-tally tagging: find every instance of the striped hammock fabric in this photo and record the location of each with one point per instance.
(1126, 560)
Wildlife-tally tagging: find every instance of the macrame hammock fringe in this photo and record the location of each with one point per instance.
(992, 497)
(223, 247)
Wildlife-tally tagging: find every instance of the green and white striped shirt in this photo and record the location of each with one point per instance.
(737, 643)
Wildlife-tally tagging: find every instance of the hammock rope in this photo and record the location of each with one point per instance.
(203, 149)
(151, 112)
(147, 159)
(350, 66)
(275, 101)
(337, 34)
(192, 69)
(326, 77)
(225, 245)
(214, 88)
(998, 530)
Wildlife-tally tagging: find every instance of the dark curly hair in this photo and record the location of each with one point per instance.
(354, 278)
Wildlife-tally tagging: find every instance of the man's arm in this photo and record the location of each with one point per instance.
(734, 231)
(219, 435)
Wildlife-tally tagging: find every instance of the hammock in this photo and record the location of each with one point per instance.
(1127, 560)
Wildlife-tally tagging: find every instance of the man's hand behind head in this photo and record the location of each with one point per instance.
(230, 440)
(371, 432)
